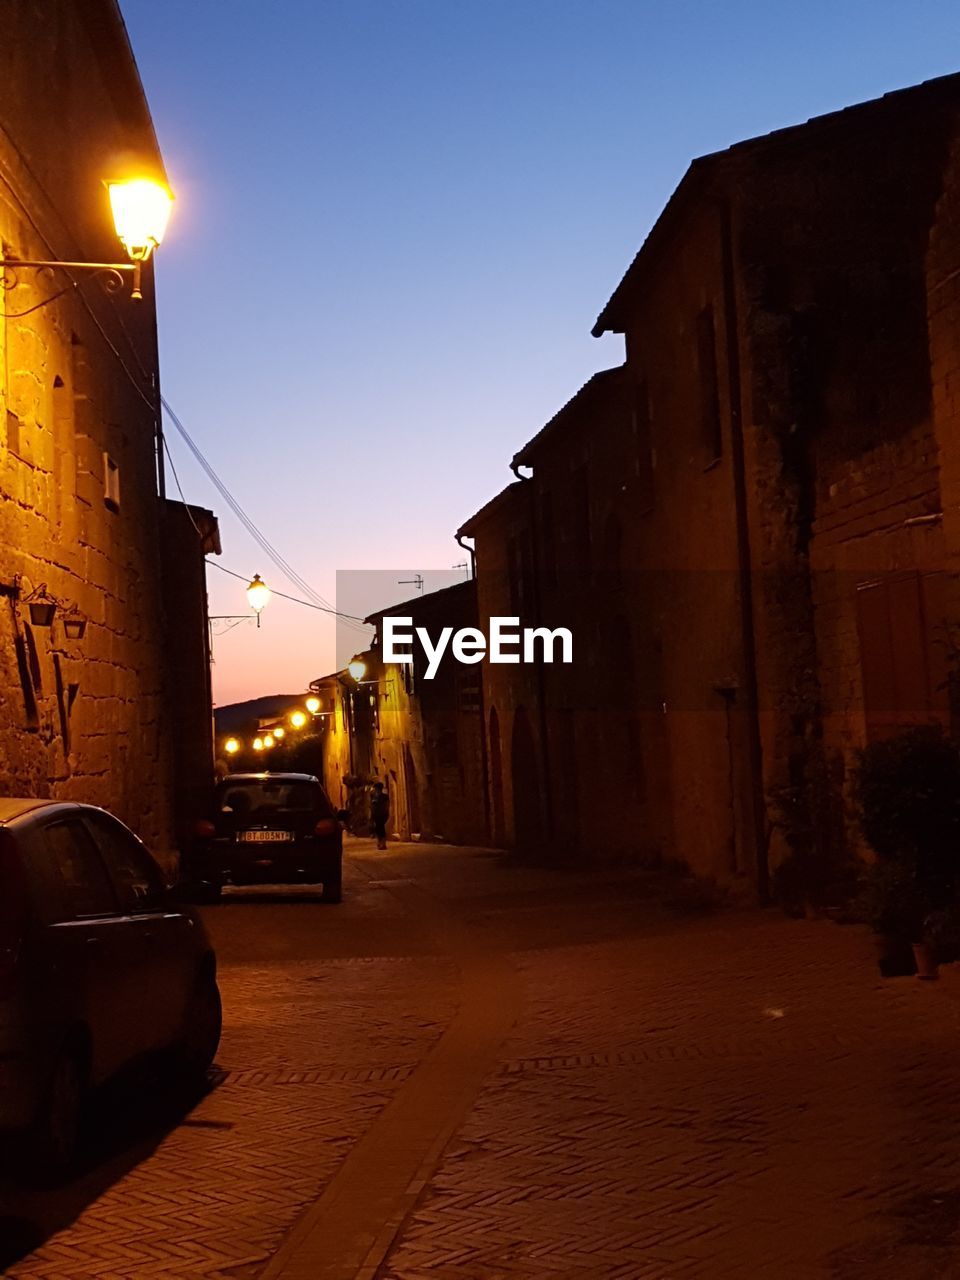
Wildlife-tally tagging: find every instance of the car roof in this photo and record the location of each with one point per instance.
(13, 807)
(273, 777)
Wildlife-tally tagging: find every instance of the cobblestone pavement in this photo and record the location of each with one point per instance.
(635, 1094)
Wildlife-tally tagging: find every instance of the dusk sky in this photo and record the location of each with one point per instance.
(396, 224)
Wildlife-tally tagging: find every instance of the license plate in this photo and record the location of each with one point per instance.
(265, 837)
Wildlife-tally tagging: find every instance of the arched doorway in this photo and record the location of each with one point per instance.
(525, 777)
(496, 779)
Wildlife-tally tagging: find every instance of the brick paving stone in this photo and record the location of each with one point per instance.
(743, 1097)
(313, 1049)
(739, 1096)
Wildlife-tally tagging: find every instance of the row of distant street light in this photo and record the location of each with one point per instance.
(297, 718)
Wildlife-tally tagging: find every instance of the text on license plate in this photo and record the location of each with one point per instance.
(262, 837)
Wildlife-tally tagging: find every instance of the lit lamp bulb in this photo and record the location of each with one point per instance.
(258, 744)
(231, 746)
(268, 741)
(258, 595)
(298, 719)
(357, 668)
(312, 705)
(279, 731)
(141, 211)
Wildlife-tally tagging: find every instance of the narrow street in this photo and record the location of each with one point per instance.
(479, 1071)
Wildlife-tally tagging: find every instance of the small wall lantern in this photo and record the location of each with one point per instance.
(74, 624)
(42, 606)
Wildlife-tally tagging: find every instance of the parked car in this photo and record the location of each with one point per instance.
(100, 964)
(269, 828)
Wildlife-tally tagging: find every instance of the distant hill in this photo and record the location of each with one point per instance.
(237, 716)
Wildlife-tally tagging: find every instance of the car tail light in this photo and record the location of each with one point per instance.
(205, 829)
(326, 827)
(13, 913)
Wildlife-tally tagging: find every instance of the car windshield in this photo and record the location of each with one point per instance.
(263, 798)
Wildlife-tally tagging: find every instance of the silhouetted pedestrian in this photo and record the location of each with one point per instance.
(379, 813)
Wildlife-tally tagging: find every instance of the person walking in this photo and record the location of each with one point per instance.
(379, 813)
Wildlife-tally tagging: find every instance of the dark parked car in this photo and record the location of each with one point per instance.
(269, 828)
(99, 965)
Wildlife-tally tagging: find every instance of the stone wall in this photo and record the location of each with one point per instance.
(79, 719)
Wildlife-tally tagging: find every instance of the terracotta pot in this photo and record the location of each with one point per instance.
(926, 961)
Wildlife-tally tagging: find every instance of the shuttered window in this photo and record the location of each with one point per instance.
(903, 659)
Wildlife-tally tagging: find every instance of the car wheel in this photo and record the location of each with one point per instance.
(52, 1142)
(333, 884)
(203, 1023)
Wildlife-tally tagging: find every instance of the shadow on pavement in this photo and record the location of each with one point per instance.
(127, 1120)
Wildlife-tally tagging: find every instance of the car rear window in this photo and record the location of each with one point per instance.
(262, 798)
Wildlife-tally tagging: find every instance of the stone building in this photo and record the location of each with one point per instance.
(766, 500)
(88, 717)
(421, 738)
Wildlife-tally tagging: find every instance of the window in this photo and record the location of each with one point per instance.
(469, 693)
(266, 799)
(136, 877)
(643, 445)
(710, 427)
(903, 652)
(72, 880)
(448, 748)
(548, 540)
(581, 517)
(111, 483)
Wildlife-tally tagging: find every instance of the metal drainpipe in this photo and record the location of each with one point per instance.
(484, 763)
(541, 682)
(471, 552)
(745, 562)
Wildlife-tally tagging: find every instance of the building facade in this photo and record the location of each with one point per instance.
(421, 738)
(81, 522)
(755, 511)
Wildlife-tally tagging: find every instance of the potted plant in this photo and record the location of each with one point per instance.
(907, 791)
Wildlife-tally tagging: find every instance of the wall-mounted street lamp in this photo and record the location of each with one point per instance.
(357, 668)
(313, 705)
(258, 597)
(231, 746)
(298, 719)
(258, 594)
(74, 625)
(267, 741)
(41, 606)
(258, 744)
(141, 211)
(279, 731)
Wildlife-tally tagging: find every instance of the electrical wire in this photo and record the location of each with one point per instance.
(18, 315)
(238, 511)
(318, 601)
(346, 617)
